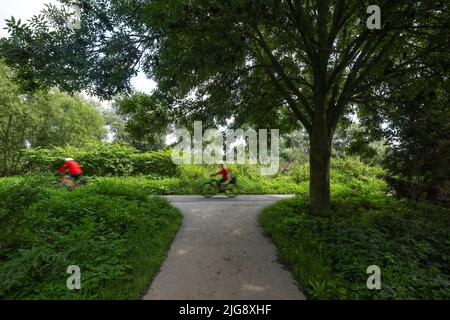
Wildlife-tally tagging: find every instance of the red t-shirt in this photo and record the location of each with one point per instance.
(72, 166)
(224, 172)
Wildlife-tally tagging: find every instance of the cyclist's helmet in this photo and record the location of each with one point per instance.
(68, 159)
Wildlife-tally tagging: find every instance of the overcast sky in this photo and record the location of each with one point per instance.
(25, 9)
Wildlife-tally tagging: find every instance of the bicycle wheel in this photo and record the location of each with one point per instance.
(231, 191)
(209, 189)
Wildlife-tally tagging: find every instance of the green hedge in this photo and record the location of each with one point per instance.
(329, 256)
(114, 232)
(102, 160)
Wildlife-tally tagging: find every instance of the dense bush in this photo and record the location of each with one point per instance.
(349, 177)
(156, 172)
(357, 177)
(103, 160)
(112, 230)
(329, 256)
(153, 163)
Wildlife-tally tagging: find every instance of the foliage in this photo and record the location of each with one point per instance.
(14, 121)
(103, 159)
(350, 177)
(183, 47)
(116, 126)
(350, 140)
(62, 120)
(294, 148)
(215, 60)
(147, 119)
(329, 255)
(353, 140)
(41, 120)
(114, 232)
(424, 151)
(413, 119)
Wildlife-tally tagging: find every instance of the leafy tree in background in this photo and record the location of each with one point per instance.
(147, 119)
(60, 120)
(14, 121)
(41, 120)
(353, 140)
(414, 120)
(350, 140)
(140, 120)
(286, 63)
(295, 147)
(115, 125)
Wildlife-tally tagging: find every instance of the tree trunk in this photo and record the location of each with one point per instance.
(319, 170)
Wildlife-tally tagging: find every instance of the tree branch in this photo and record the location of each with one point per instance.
(281, 72)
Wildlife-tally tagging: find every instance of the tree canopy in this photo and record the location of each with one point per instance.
(283, 64)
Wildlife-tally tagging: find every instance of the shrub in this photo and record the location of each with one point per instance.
(114, 232)
(300, 173)
(156, 162)
(103, 160)
(329, 255)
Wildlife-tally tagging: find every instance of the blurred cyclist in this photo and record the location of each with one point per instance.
(71, 167)
(225, 173)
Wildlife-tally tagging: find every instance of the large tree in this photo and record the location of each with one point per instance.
(267, 62)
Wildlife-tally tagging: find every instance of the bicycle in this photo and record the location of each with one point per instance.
(213, 187)
(69, 183)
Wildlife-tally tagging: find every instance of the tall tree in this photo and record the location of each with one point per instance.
(255, 60)
(60, 119)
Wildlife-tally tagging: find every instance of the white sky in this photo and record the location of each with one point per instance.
(25, 9)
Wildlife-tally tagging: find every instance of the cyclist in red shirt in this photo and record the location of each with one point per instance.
(72, 167)
(224, 172)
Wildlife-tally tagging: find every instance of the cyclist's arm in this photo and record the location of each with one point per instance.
(63, 168)
(217, 173)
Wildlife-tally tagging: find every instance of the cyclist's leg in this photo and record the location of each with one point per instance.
(65, 179)
(222, 184)
(75, 178)
(68, 182)
(61, 177)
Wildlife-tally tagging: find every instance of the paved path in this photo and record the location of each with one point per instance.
(220, 253)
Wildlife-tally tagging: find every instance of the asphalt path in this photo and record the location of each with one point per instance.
(220, 252)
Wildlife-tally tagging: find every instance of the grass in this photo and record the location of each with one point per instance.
(355, 176)
(116, 233)
(329, 256)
